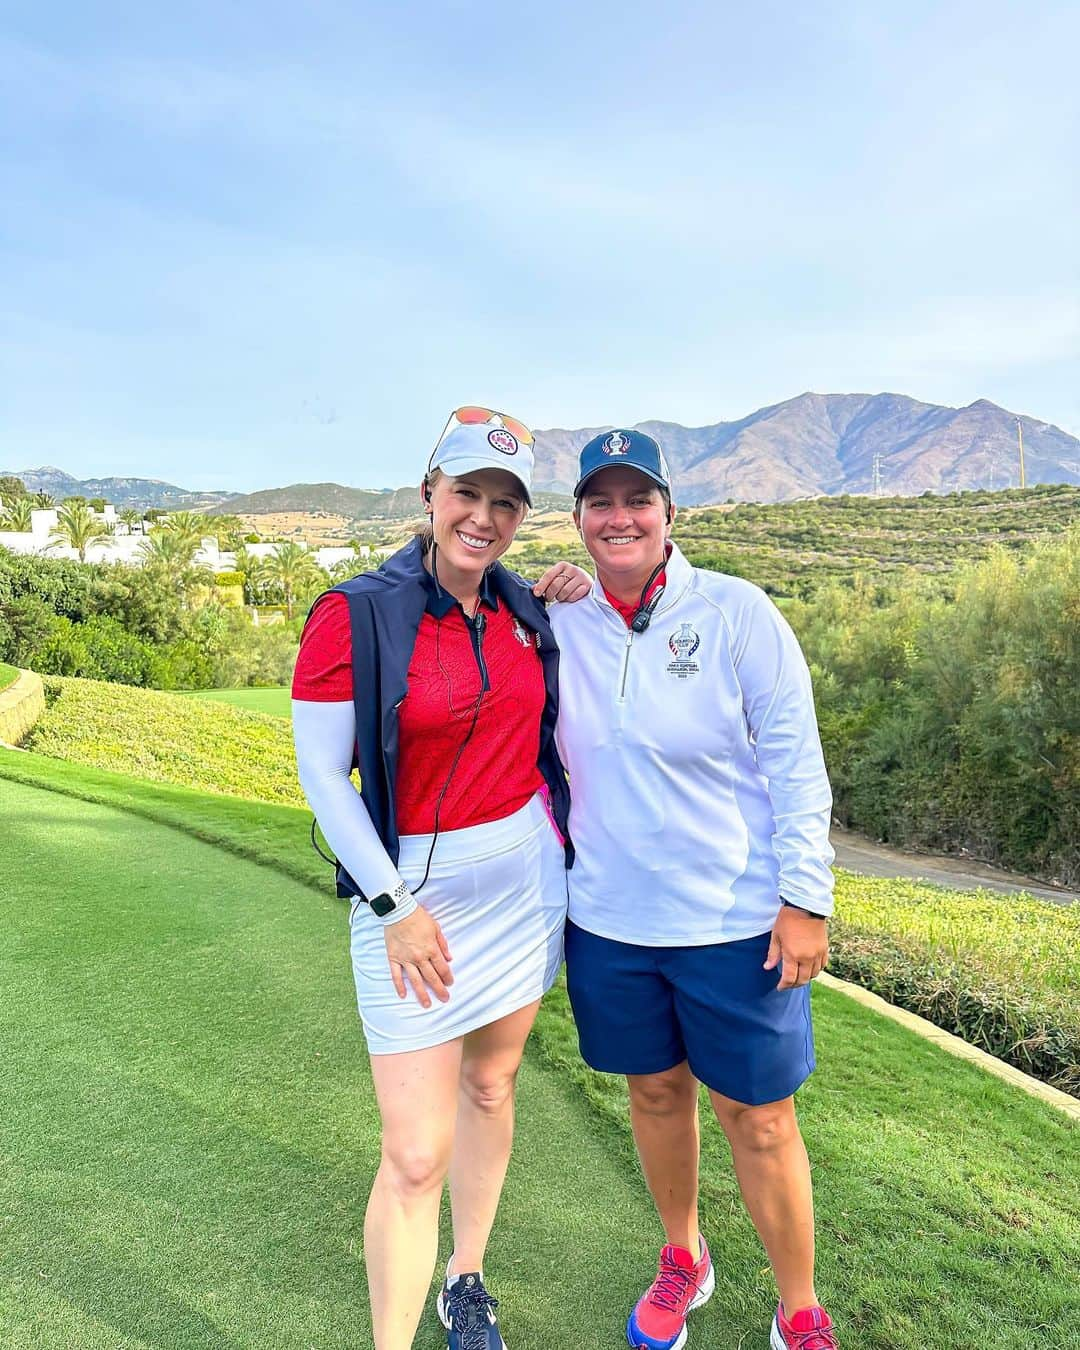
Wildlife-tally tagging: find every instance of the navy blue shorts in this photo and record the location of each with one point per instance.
(646, 1009)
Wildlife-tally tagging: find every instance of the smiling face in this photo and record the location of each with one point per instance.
(473, 520)
(624, 522)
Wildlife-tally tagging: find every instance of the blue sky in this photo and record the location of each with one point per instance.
(247, 244)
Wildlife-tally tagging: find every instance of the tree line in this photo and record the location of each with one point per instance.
(949, 710)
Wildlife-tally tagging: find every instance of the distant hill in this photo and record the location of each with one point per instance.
(825, 444)
(356, 503)
(143, 493)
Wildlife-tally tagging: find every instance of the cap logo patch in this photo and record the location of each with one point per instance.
(504, 441)
(616, 444)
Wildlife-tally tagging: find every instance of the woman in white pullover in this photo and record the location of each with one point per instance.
(700, 815)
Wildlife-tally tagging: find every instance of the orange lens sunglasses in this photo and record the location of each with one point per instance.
(471, 414)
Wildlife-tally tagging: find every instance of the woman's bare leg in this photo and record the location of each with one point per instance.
(417, 1093)
(774, 1177)
(485, 1131)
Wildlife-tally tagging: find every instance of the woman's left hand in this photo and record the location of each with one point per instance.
(565, 582)
(801, 943)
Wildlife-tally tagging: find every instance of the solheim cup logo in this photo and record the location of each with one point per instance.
(503, 440)
(616, 444)
(683, 645)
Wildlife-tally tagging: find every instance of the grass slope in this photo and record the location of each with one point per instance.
(188, 1131)
(8, 675)
(168, 738)
(275, 702)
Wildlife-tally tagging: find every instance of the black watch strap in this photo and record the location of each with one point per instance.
(808, 912)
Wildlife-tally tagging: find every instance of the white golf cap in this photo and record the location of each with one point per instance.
(484, 445)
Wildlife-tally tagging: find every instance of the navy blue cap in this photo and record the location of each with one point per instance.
(633, 448)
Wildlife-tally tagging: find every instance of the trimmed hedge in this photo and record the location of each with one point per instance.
(997, 970)
(168, 738)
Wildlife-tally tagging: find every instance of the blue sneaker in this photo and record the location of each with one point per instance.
(467, 1311)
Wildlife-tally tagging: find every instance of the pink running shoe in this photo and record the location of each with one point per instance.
(658, 1322)
(809, 1329)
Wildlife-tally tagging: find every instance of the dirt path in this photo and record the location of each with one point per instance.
(859, 854)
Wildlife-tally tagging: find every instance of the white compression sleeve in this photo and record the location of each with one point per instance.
(323, 734)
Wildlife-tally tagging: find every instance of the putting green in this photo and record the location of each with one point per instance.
(275, 701)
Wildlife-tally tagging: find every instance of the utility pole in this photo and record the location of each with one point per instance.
(877, 475)
(1020, 442)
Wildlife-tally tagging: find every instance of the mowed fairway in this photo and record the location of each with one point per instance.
(187, 1128)
(187, 1132)
(273, 701)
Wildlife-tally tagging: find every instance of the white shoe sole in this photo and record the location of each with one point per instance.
(776, 1341)
(704, 1293)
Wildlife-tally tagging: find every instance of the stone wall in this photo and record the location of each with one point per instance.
(21, 704)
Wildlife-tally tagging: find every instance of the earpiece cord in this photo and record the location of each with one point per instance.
(643, 616)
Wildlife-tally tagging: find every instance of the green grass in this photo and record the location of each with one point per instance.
(986, 967)
(275, 702)
(8, 675)
(169, 738)
(188, 1133)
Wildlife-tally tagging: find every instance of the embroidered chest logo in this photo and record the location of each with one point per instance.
(683, 645)
(522, 634)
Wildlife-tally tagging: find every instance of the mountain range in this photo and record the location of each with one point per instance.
(808, 446)
(139, 492)
(826, 444)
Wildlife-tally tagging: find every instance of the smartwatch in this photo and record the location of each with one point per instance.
(385, 904)
(802, 910)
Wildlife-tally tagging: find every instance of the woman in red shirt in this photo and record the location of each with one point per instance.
(437, 675)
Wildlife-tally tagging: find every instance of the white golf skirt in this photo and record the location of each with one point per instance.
(498, 891)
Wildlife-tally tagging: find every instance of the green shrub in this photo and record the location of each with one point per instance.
(951, 721)
(989, 968)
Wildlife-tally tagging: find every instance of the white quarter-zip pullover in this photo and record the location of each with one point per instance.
(698, 786)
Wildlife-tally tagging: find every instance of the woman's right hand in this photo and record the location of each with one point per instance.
(419, 956)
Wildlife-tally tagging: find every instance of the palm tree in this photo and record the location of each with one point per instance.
(17, 516)
(130, 518)
(188, 526)
(168, 554)
(78, 527)
(293, 570)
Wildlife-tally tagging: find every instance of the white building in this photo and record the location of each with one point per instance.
(128, 548)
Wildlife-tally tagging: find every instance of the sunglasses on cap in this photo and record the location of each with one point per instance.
(472, 415)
